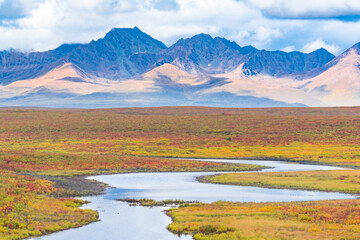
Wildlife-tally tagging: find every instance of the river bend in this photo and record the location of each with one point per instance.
(124, 222)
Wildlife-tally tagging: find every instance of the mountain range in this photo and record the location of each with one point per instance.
(128, 68)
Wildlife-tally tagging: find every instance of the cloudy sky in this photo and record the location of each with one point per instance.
(288, 25)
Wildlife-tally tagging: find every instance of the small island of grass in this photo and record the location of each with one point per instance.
(145, 202)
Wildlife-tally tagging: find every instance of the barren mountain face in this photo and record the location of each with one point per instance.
(129, 68)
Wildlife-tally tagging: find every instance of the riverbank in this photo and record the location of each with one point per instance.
(291, 221)
(28, 208)
(163, 186)
(22, 216)
(81, 185)
(345, 181)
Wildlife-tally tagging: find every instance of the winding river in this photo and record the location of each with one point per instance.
(121, 221)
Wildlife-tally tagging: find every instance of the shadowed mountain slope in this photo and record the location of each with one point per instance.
(129, 68)
(128, 52)
(122, 53)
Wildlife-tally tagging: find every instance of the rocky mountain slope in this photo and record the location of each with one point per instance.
(121, 54)
(128, 52)
(129, 68)
(339, 83)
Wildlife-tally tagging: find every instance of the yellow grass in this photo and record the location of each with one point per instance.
(346, 181)
(319, 220)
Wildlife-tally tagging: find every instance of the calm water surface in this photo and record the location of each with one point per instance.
(120, 221)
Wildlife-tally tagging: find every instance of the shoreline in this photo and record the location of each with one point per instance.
(306, 162)
(78, 183)
(94, 187)
(201, 179)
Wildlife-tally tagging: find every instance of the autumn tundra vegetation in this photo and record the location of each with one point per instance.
(43, 149)
(345, 181)
(336, 219)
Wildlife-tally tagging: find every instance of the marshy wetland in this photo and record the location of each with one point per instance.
(46, 154)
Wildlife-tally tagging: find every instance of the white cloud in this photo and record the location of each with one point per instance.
(49, 23)
(240, 37)
(319, 43)
(266, 34)
(288, 49)
(307, 8)
(82, 21)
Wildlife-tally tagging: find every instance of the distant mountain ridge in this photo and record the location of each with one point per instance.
(127, 52)
(128, 68)
(203, 54)
(122, 53)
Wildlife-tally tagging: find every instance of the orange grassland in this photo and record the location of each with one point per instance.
(48, 142)
(52, 139)
(254, 221)
(27, 208)
(345, 181)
